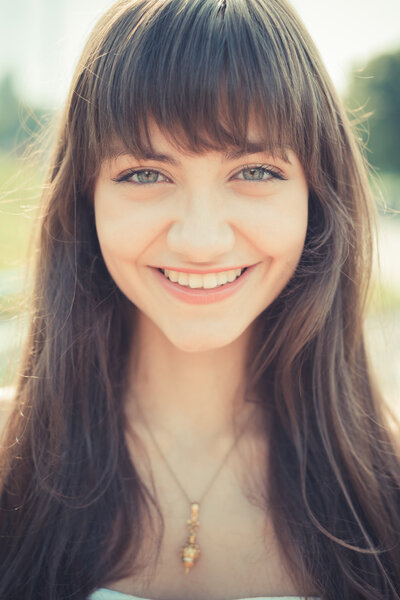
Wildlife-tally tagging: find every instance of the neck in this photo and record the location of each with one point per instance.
(196, 398)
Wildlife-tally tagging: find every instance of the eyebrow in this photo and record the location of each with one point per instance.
(251, 148)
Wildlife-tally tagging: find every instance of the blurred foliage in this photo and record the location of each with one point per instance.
(389, 184)
(19, 122)
(375, 93)
(12, 305)
(24, 135)
(20, 190)
(383, 298)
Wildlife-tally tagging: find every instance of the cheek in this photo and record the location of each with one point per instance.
(280, 226)
(123, 230)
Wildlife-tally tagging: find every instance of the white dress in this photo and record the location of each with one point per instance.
(105, 594)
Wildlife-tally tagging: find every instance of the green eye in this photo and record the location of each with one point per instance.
(256, 174)
(142, 177)
(262, 173)
(146, 176)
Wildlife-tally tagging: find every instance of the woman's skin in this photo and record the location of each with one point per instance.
(200, 213)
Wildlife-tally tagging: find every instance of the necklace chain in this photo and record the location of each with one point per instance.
(190, 551)
(169, 466)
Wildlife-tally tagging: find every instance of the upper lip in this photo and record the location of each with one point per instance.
(202, 271)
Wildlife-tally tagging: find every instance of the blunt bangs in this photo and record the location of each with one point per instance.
(201, 70)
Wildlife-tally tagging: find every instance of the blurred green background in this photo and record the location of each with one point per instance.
(372, 98)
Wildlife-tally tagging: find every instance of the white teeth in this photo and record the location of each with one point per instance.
(172, 275)
(197, 281)
(209, 281)
(182, 278)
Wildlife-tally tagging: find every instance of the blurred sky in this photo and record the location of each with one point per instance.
(40, 40)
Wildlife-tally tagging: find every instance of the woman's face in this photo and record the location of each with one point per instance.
(201, 212)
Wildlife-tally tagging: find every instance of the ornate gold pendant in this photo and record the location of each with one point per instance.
(191, 551)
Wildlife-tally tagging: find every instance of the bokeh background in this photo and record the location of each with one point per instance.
(40, 44)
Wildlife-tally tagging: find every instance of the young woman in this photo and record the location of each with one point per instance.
(195, 416)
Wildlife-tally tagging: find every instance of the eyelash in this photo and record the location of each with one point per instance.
(273, 171)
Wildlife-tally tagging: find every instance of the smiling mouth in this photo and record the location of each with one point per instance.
(207, 281)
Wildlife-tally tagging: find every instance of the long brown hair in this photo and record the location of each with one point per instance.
(72, 502)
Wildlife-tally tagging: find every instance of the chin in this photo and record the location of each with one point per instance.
(203, 341)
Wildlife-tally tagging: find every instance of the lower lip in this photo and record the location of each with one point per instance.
(202, 296)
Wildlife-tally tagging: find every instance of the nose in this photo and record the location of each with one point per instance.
(202, 233)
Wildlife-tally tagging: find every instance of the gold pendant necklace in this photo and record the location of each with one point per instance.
(190, 551)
